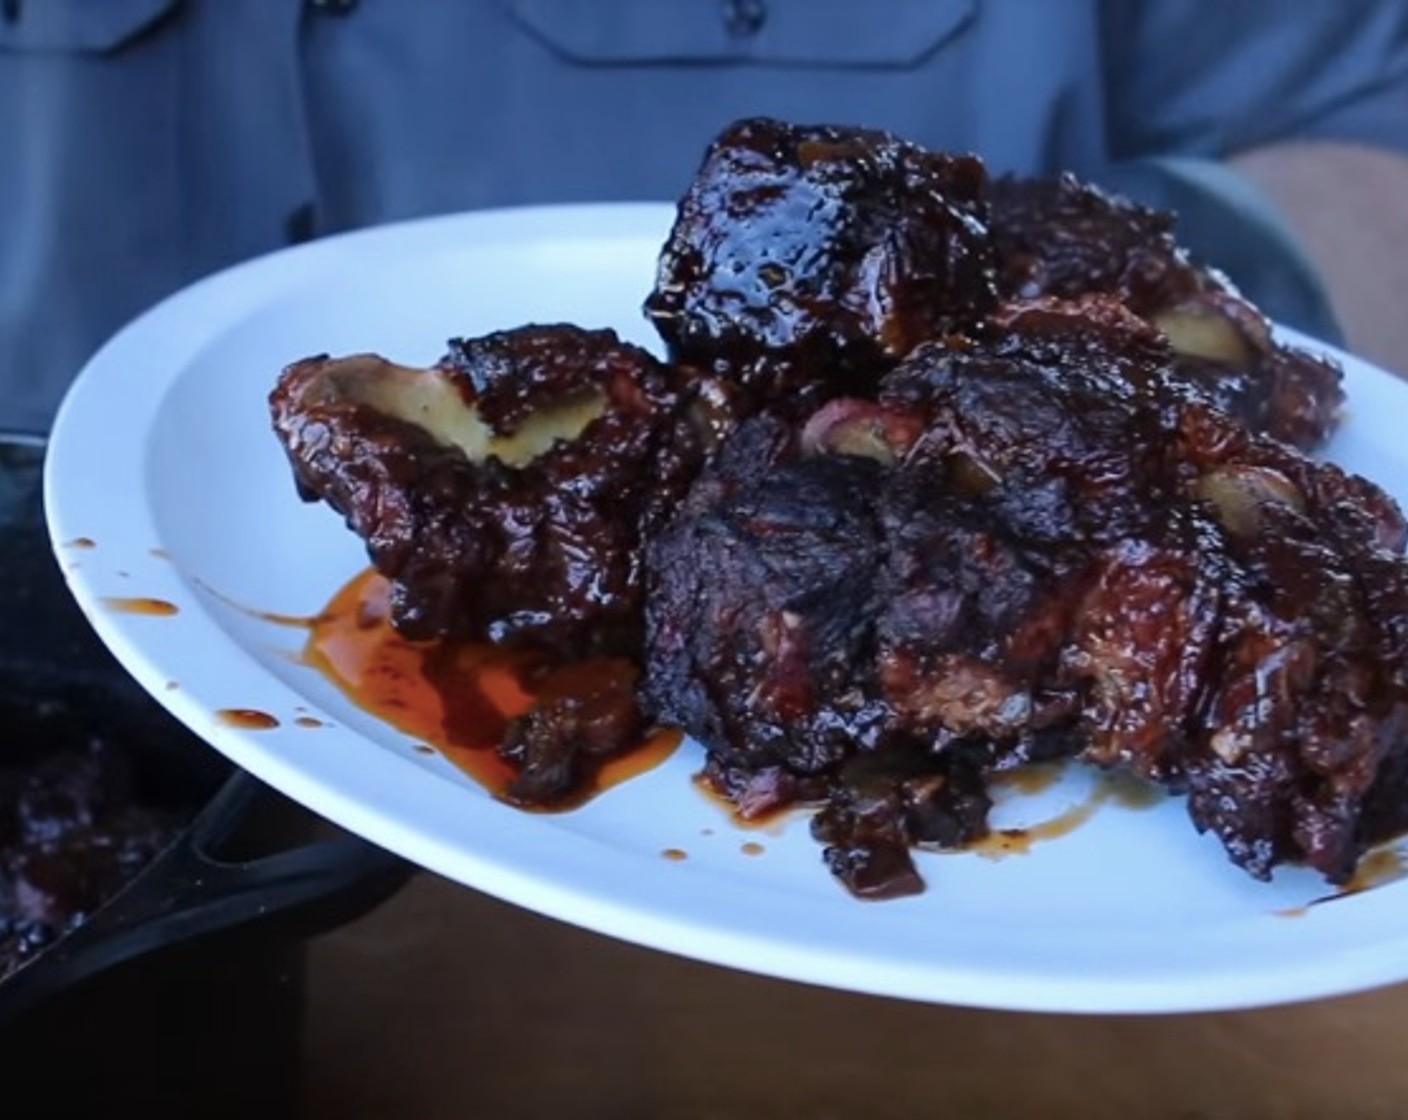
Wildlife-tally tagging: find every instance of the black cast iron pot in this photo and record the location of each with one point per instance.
(218, 883)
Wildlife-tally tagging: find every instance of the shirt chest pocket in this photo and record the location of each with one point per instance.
(889, 34)
(77, 26)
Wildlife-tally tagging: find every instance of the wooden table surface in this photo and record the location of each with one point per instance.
(447, 1003)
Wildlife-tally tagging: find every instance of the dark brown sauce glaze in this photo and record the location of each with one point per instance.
(459, 697)
(1110, 788)
(1386, 865)
(247, 719)
(1002, 842)
(296, 621)
(1376, 869)
(1029, 780)
(138, 604)
(772, 820)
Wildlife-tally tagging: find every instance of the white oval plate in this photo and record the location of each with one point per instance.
(162, 457)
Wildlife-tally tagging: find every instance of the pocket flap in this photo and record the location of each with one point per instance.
(878, 33)
(77, 25)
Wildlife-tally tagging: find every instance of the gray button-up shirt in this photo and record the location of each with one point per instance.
(145, 143)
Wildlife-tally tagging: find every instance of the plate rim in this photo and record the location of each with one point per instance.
(186, 317)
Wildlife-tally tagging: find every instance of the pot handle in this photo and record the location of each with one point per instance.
(187, 892)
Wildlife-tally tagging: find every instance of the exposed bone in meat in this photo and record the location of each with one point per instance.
(1061, 237)
(1063, 548)
(1000, 499)
(505, 491)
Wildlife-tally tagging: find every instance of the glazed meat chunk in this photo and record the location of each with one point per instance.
(762, 624)
(1061, 237)
(759, 614)
(806, 260)
(505, 491)
(1039, 540)
(1227, 641)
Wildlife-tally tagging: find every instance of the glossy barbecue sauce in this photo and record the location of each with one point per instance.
(139, 604)
(1121, 789)
(247, 719)
(1376, 868)
(460, 696)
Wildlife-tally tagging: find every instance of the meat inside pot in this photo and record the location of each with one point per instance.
(73, 832)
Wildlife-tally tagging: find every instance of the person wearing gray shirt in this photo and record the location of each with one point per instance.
(146, 143)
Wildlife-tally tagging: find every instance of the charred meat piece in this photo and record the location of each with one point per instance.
(759, 615)
(72, 834)
(1061, 414)
(1227, 642)
(1303, 718)
(1038, 541)
(882, 805)
(1061, 237)
(504, 492)
(806, 260)
(970, 618)
(765, 616)
(586, 713)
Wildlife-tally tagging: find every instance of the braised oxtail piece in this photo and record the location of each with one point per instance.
(505, 491)
(1065, 238)
(805, 261)
(1241, 632)
(762, 619)
(1040, 540)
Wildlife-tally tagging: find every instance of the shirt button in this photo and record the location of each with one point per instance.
(744, 18)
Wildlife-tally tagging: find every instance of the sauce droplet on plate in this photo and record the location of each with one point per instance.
(82, 542)
(675, 854)
(138, 604)
(752, 848)
(247, 719)
(309, 721)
